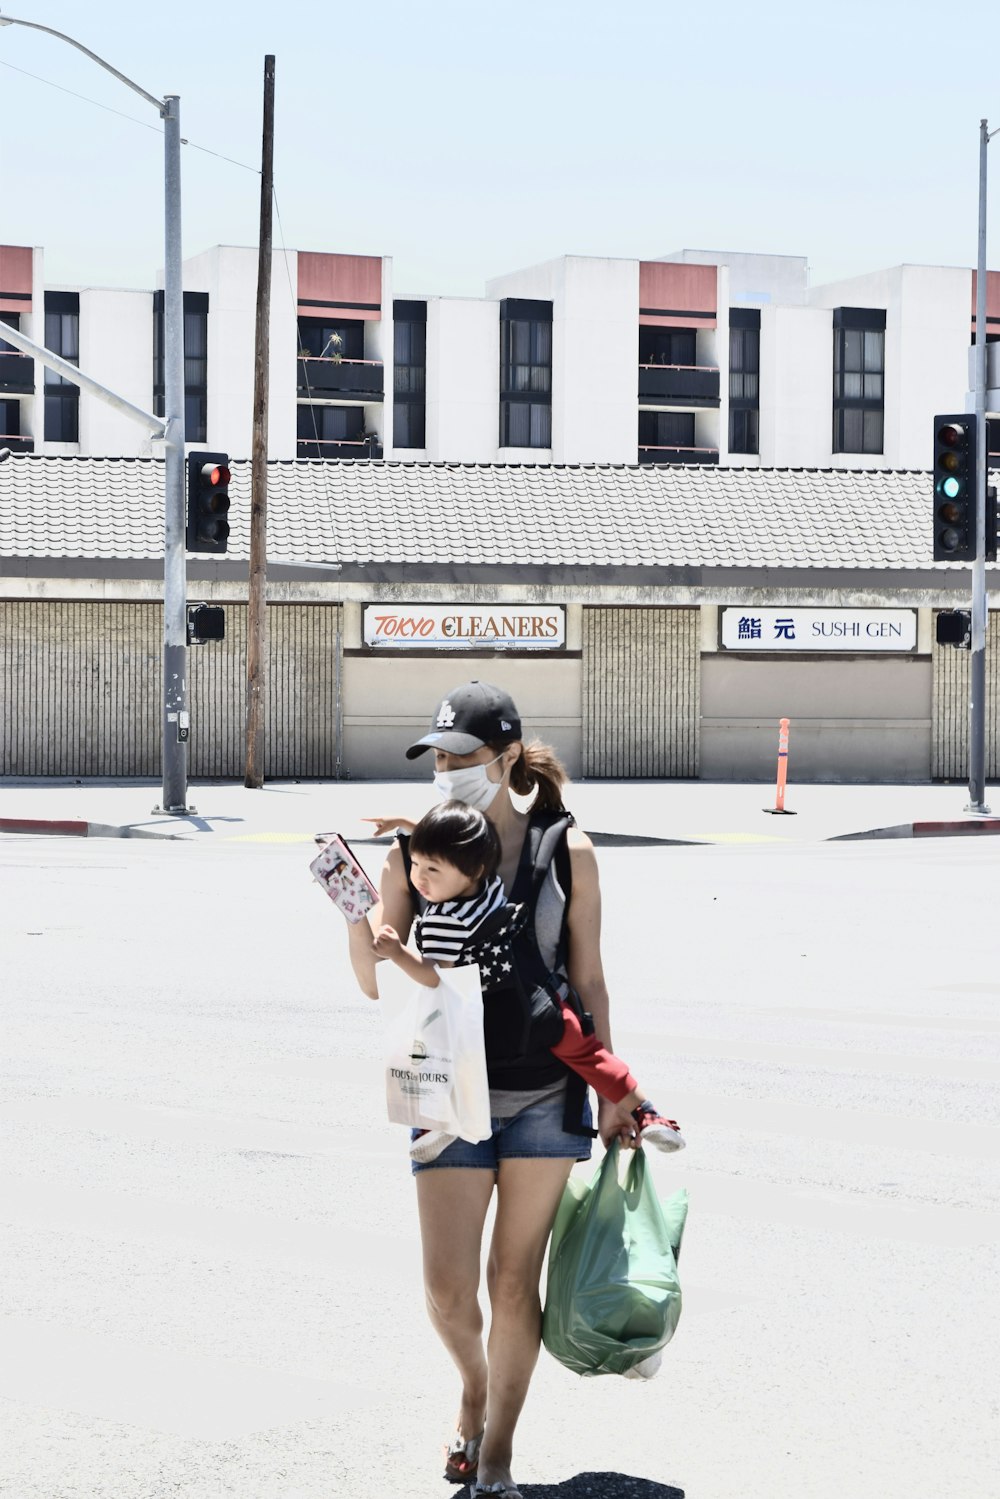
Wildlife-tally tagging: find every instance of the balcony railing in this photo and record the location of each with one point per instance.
(678, 455)
(678, 385)
(350, 379)
(17, 374)
(337, 448)
(17, 444)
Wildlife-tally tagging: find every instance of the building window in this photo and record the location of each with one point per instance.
(677, 346)
(858, 379)
(409, 367)
(744, 380)
(17, 370)
(10, 419)
(525, 373)
(409, 425)
(324, 338)
(525, 424)
(334, 432)
(195, 363)
(993, 443)
(62, 336)
(666, 429)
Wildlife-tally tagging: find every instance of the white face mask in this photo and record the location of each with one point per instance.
(470, 785)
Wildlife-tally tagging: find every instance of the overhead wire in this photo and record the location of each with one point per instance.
(298, 330)
(146, 125)
(133, 119)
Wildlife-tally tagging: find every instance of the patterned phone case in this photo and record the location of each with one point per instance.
(343, 879)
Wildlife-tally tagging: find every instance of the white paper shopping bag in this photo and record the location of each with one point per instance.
(435, 1060)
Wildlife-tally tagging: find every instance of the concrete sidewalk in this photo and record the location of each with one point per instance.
(293, 811)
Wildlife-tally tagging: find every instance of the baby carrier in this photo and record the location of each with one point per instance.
(522, 995)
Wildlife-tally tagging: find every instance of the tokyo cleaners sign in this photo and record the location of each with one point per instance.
(845, 630)
(449, 627)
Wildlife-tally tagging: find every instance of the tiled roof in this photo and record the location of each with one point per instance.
(457, 515)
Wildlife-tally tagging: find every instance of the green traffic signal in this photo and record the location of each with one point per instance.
(955, 441)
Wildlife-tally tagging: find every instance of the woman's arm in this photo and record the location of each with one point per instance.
(586, 971)
(395, 909)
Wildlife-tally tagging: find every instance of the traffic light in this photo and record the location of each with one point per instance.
(208, 502)
(205, 622)
(955, 488)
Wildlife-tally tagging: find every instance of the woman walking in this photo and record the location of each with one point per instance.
(541, 1122)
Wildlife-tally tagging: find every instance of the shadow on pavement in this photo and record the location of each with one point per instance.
(597, 1486)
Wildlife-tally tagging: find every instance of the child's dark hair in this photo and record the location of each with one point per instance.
(458, 835)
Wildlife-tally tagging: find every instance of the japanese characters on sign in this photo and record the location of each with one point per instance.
(844, 630)
(449, 627)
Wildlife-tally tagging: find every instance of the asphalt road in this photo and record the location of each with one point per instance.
(209, 1273)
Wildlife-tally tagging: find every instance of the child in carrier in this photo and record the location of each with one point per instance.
(454, 856)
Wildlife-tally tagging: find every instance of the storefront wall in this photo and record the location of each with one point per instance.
(852, 719)
(630, 692)
(388, 704)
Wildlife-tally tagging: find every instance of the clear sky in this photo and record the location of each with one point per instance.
(467, 139)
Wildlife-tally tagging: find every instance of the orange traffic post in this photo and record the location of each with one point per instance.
(779, 809)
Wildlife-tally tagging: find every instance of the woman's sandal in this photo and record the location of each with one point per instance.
(461, 1459)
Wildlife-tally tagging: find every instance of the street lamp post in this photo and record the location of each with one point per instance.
(175, 711)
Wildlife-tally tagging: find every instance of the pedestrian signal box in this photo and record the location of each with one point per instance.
(205, 622)
(954, 627)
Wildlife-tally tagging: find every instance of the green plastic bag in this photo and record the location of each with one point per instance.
(612, 1297)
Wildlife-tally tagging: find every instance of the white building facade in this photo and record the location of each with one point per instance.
(699, 357)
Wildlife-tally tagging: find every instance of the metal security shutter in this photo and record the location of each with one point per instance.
(82, 691)
(950, 708)
(641, 674)
(302, 716)
(82, 688)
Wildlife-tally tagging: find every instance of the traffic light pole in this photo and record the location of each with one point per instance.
(175, 713)
(980, 603)
(176, 724)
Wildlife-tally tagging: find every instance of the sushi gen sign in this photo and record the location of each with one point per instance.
(844, 630)
(449, 627)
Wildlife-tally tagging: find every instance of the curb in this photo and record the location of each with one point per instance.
(72, 828)
(923, 830)
(637, 840)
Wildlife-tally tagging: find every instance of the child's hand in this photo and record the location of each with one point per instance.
(383, 825)
(387, 942)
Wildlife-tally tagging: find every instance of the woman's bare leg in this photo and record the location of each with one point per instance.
(452, 1203)
(528, 1194)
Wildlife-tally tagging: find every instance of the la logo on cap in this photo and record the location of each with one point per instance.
(447, 715)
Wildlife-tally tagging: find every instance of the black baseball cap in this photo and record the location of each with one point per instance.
(467, 718)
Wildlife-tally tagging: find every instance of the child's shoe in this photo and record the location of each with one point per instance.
(428, 1144)
(665, 1134)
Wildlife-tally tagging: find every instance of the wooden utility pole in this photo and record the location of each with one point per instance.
(257, 599)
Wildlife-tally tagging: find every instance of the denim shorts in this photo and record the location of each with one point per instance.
(535, 1134)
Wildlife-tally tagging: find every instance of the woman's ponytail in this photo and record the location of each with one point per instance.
(539, 769)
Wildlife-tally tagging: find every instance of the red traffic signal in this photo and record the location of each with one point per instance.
(208, 502)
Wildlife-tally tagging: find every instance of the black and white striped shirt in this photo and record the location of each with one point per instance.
(445, 927)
